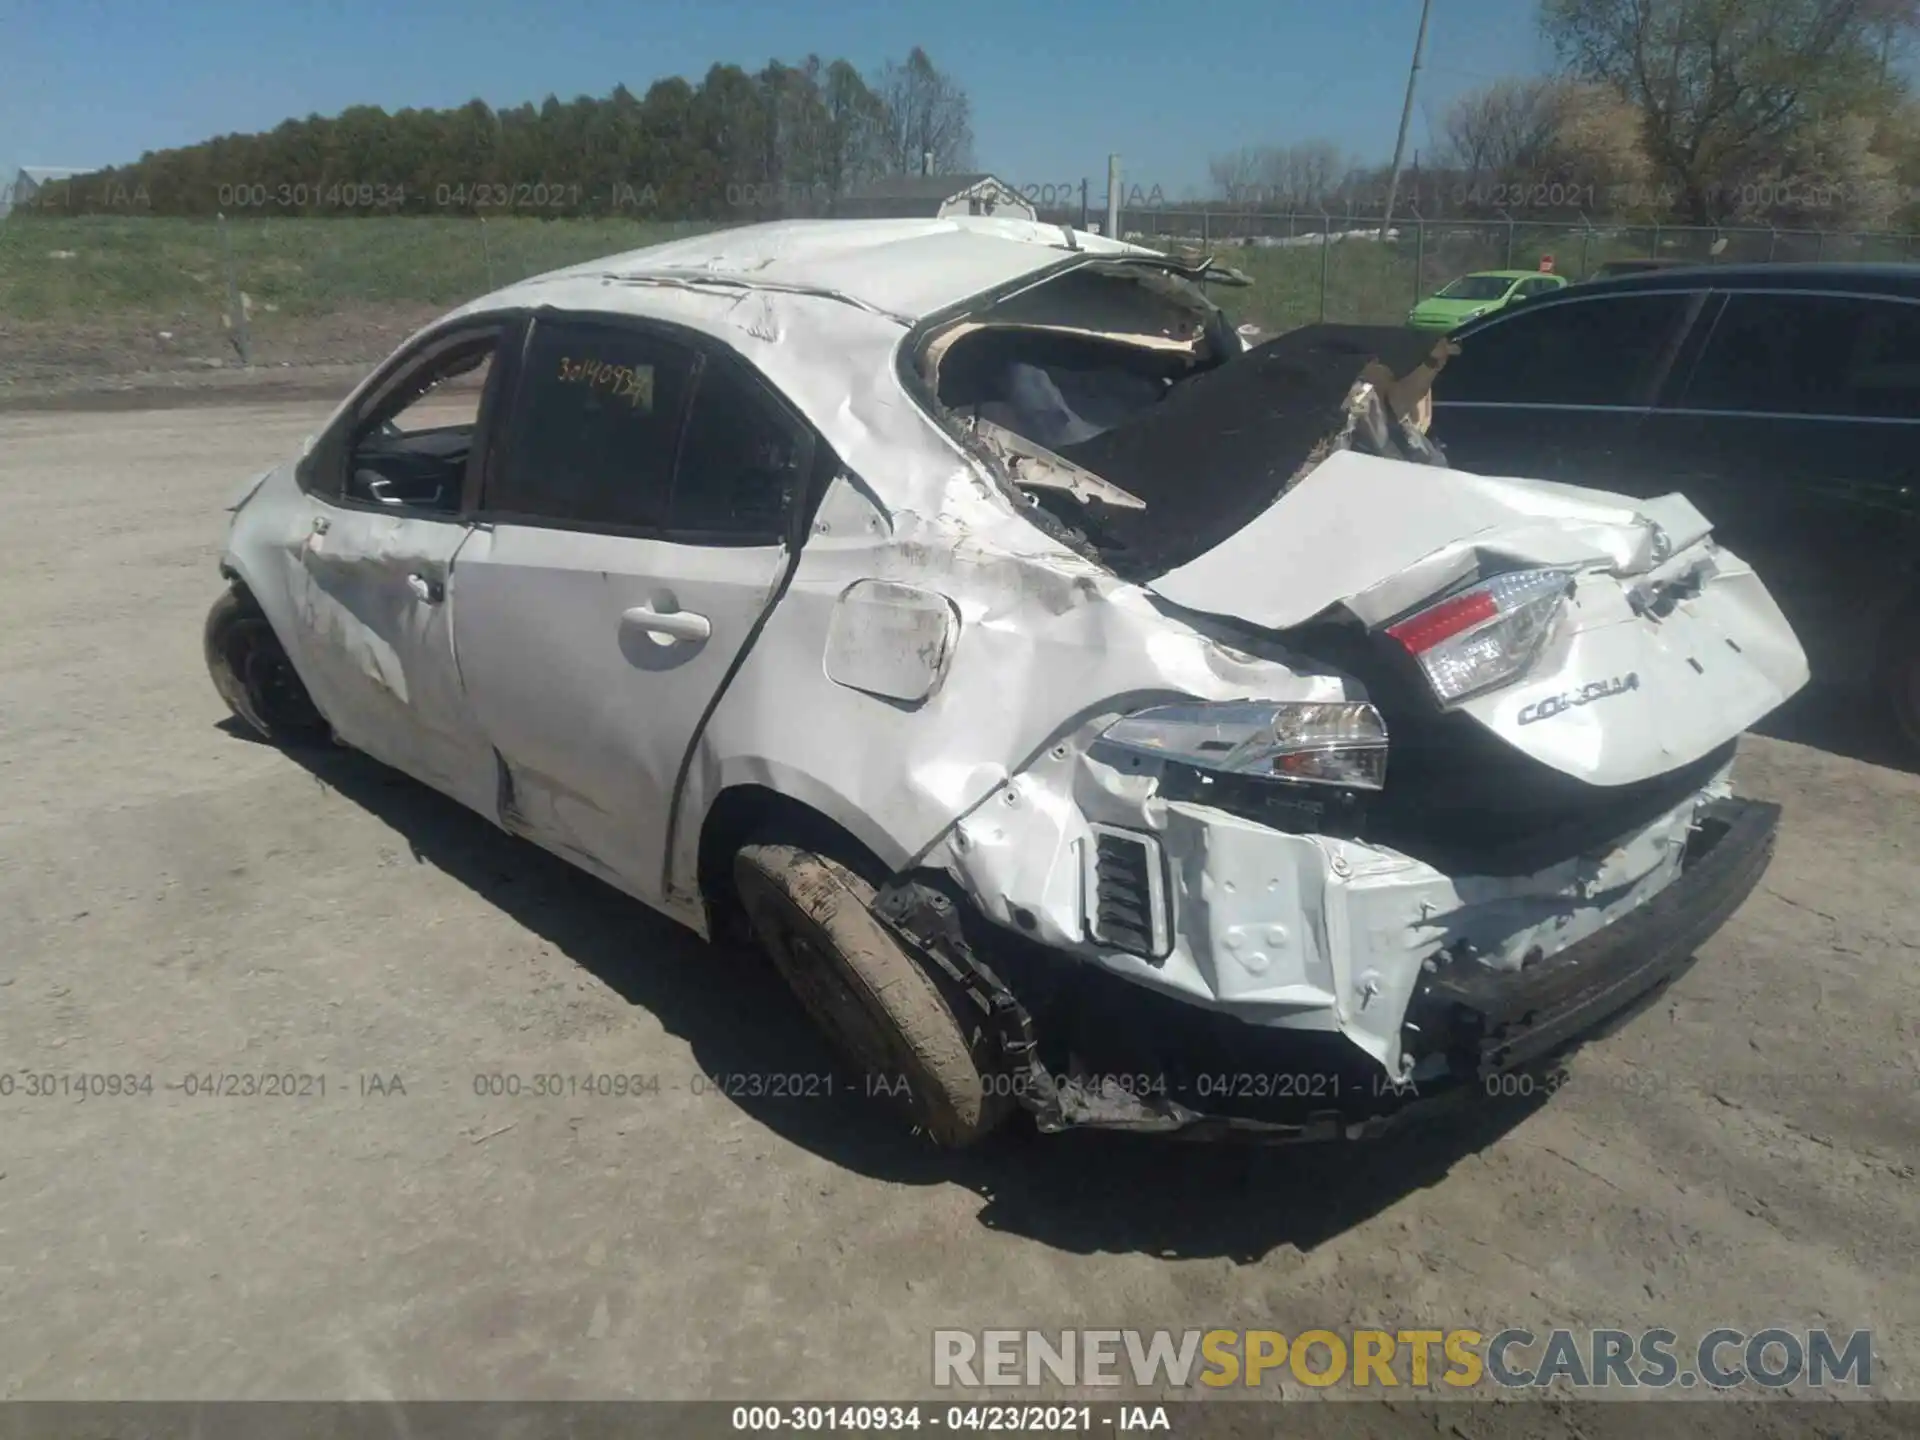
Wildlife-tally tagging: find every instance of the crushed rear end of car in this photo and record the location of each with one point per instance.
(1493, 816)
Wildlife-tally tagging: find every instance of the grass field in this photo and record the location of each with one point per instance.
(127, 293)
(68, 269)
(53, 268)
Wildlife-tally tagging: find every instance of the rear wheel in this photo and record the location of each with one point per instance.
(871, 998)
(251, 671)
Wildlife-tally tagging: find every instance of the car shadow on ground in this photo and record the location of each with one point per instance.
(1844, 720)
(1085, 1192)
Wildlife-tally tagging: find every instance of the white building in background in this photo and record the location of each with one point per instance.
(928, 197)
(32, 179)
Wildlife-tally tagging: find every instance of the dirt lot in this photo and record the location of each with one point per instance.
(61, 359)
(176, 900)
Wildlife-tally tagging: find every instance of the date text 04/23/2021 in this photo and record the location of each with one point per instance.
(999, 1418)
(81, 1086)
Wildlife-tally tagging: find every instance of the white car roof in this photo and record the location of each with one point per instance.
(907, 269)
(820, 307)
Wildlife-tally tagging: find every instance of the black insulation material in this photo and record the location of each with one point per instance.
(1225, 444)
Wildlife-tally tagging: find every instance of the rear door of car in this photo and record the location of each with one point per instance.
(1556, 389)
(1795, 427)
(383, 519)
(635, 526)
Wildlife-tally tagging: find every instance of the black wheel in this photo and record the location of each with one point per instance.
(872, 999)
(253, 675)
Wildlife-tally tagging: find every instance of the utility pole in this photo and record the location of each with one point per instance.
(1406, 115)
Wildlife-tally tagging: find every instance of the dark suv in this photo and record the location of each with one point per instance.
(1783, 400)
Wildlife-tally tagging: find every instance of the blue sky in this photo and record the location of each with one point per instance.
(1055, 85)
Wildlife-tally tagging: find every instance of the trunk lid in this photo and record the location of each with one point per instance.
(1669, 645)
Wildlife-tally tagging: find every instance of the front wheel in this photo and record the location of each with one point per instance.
(251, 671)
(872, 998)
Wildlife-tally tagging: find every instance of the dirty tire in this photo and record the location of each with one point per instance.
(870, 997)
(253, 675)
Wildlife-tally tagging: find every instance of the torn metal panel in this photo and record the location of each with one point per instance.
(1222, 445)
(1433, 1022)
(1358, 523)
(1377, 537)
(1139, 307)
(1189, 263)
(1300, 931)
(1032, 466)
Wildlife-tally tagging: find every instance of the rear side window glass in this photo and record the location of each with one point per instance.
(1811, 355)
(596, 427)
(743, 462)
(1581, 352)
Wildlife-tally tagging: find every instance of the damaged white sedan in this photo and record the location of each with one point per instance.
(1086, 713)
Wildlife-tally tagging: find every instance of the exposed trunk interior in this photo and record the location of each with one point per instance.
(1200, 435)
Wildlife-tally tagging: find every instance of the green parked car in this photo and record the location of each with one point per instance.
(1477, 294)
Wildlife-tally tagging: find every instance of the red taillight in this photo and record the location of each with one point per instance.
(1487, 635)
(1420, 633)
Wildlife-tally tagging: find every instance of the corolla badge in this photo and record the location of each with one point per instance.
(1573, 699)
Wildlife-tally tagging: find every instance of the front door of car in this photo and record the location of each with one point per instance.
(634, 528)
(1557, 389)
(1797, 432)
(372, 566)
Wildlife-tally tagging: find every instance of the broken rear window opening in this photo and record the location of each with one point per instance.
(1151, 438)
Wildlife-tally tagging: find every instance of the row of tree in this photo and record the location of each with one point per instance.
(784, 139)
(1790, 112)
(1703, 111)
(1795, 109)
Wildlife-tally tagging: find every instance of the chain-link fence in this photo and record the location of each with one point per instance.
(122, 294)
(1341, 267)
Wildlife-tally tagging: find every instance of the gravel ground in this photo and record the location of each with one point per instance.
(116, 352)
(178, 900)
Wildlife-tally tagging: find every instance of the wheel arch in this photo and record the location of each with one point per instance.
(753, 811)
(273, 606)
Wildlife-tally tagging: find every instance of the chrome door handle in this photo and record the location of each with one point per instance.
(430, 591)
(672, 625)
(321, 524)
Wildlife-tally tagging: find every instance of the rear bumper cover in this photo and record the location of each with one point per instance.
(1491, 1021)
(1467, 1023)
